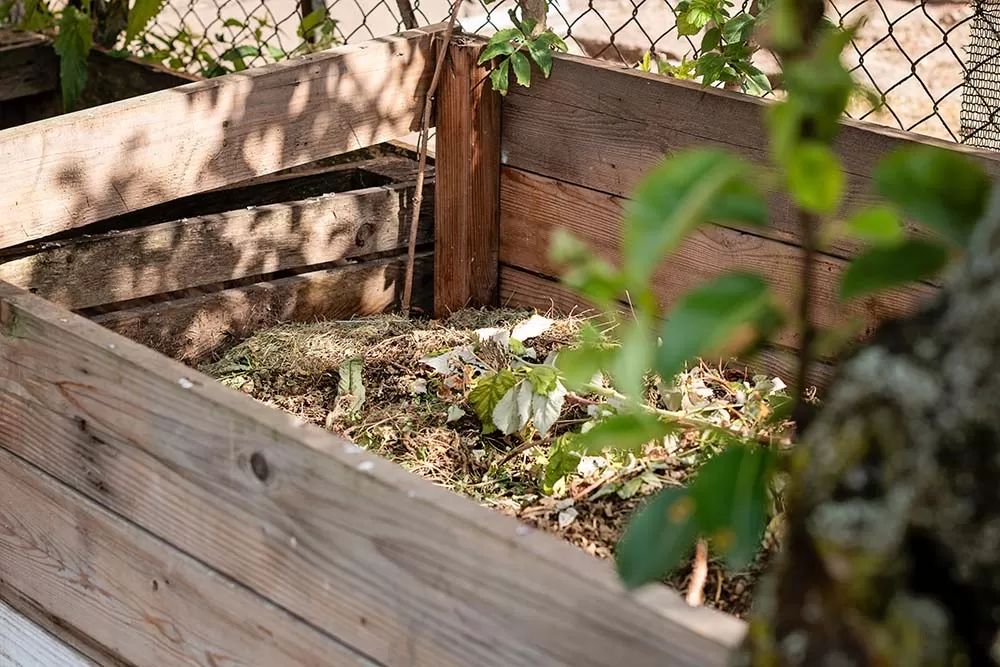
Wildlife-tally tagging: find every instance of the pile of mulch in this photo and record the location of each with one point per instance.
(408, 416)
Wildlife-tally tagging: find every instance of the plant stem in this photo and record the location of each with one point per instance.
(808, 224)
(699, 574)
(418, 195)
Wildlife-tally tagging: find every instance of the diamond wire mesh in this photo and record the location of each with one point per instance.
(910, 53)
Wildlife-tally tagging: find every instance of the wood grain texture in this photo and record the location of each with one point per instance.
(136, 594)
(520, 289)
(24, 644)
(69, 171)
(195, 327)
(604, 127)
(119, 266)
(467, 201)
(28, 66)
(113, 78)
(81, 643)
(393, 565)
(533, 207)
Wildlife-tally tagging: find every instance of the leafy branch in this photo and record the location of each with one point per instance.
(515, 48)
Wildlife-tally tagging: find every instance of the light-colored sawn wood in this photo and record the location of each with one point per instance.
(24, 644)
(604, 127)
(134, 594)
(75, 169)
(194, 327)
(106, 268)
(533, 207)
(400, 569)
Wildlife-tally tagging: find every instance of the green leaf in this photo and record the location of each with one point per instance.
(492, 50)
(738, 28)
(276, 53)
(73, 43)
(522, 68)
(564, 457)
(552, 40)
(755, 82)
(884, 267)
(710, 67)
(542, 55)
(880, 225)
(589, 275)
(505, 35)
(728, 315)
(657, 538)
(232, 23)
(139, 16)
(730, 501)
(500, 77)
(629, 430)
(683, 192)
(311, 21)
(940, 188)
(489, 389)
(815, 178)
(711, 39)
(633, 358)
(578, 365)
(350, 382)
(543, 379)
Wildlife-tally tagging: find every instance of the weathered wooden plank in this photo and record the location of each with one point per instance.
(520, 289)
(58, 628)
(24, 644)
(136, 594)
(119, 266)
(28, 66)
(604, 127)
(194, 327)
(467, 205)
(533, 207)
(399, 568)
(113, 78)
(72, 170)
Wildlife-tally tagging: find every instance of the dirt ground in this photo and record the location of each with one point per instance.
(425, 419)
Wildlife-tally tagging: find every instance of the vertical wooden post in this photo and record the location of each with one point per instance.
(467, 184)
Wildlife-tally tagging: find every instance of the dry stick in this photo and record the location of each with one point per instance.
(418, 196)
(807, 227)
(407, 14)
(699, 574)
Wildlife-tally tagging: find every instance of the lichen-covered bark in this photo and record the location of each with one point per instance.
(892, 554)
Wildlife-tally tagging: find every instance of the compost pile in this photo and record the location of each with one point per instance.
(404, 389)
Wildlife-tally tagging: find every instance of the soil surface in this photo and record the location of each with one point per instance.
(422, 420)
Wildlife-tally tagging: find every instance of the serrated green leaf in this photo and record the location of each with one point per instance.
(683, 192)
(657, 538)
(626, 431)
(710, 67)
(880, 225)
(543, 379)
(942, 189)
(489, 389)
(139, 16)
(738, 28)
(885, 267)
(730, 501)
(564, 458)
(73, 43)
(725, 316)
(522, 68)
(542, 55)
(815, 178)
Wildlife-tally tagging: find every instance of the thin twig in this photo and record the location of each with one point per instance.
(418, 196)
(407, 14)
(520, 449)
(699, 574)
(808, 224)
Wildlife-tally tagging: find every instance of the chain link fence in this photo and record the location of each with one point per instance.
(915, 55)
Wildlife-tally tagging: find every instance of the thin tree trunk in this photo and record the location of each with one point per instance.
(535, 9)
(892, 555)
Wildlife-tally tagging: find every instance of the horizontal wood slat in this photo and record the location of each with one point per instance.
(604, 127)
(533, 207)
(28, 66)
(520, 289)
(133, 593)
(398, 568)
(75, 169)
(24, 644)
(119, 266)
(194, 327)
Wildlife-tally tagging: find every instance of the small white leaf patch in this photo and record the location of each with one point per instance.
(535, 325)
(545, 409)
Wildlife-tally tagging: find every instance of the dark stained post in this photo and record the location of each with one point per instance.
(467, 184)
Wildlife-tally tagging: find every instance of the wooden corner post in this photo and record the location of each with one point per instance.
(467, 184)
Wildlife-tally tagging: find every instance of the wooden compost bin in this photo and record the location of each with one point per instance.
(151, 516)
